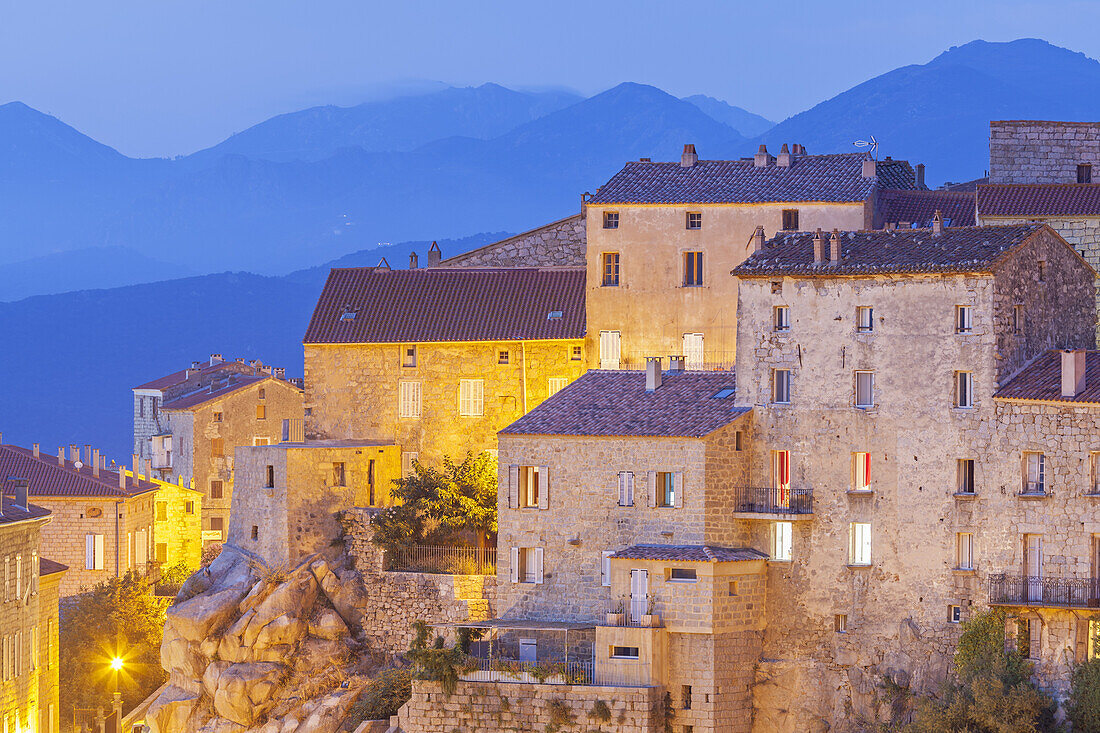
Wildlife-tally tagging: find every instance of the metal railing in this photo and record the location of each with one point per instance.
(544, 673)
(1030, 590)
(710, 363)
(442, 560)
(770, 500)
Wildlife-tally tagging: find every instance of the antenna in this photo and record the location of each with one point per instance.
(871, 143)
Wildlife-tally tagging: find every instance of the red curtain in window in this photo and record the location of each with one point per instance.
(783, 478)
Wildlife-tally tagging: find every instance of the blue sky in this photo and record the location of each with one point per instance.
(165, 77)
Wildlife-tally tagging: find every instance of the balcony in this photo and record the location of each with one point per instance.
(753, 502)
(1029, 590)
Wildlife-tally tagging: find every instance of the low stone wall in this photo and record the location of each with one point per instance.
(491, 707)
(557, 244)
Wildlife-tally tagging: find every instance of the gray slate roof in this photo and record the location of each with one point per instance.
(896, 251)
(612, 403)
(689, 553)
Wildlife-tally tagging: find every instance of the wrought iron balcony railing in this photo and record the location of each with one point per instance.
(771, 500)
(1030, 590)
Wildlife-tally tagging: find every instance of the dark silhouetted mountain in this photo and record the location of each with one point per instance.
(106, 267)
(938, 113)
(391, 125)
(745, 122)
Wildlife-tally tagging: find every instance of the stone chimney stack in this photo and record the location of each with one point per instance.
(819, 247)
(834, 247)
(869, 167)
(414, 261)
(760, 160)
(87, 454)
(95, 463)
(688, 158)
(435, 255)
(652, 373)
(676, 363)
(148, 469)
(920, 175)
(136, 463)
(758, 239)
(61, 456)
(22, 492)
(216, 359)
(36, 449)
(937, 223)
(1073, 372)
(784, 159)
(122, 477)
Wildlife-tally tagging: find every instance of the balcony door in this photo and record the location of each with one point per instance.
(1033, 566)
(781, 478)
(639, 594)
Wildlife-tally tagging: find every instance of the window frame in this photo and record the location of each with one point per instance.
(471, 397)
(1040, 473)
(789, 217)
(693, 274)
(1084, 173)
(964, 319)
(781, 318)
(865, 319)
(966, 474)
(692, 578)
(410, 400)
(861, 472)
(693, 220)
(781, 377)
(409, 356)
(530, 487)
(627, 485)
(555, 385)
(860, 547)
(610, 273)
(611, 220)
(870, 389)
(781, 541)
(665, 487)
(964, 390)
(964, 551)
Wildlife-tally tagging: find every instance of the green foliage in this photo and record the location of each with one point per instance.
(382, 698)
(442, 507)
(437, 662)
(600, 711)
(1083, 707)
(560, 715)
(122, 617)
(173, 578)
(669, 712)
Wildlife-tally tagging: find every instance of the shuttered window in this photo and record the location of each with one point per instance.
(1034, 473)
(555, 385)
(859, 551)
(626, 488)
(471, 397)
(964, 319)
(861, 471)
(93, 552)
(605, 567)
(964, 389)
(609, 349)
(526, 565)
(693, 350)
(410, 399)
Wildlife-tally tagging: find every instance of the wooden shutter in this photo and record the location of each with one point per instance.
(651, 487)
(544, 487)
(537, 552)
(678, 489)
(1034, 630)
(1081, 640)
(513, 486)
(630, 488)
(98, 552)
(622, 488)
(89, 553)
(515, 565)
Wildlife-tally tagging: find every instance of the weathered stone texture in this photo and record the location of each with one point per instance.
(558, 244)
(1031, 151)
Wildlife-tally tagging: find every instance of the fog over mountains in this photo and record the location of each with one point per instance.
(301, 190)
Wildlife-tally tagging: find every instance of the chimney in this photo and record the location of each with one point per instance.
(148, 469)
(652, 373)
(196, 364)
(435, 255)
(414, 261)
(688, 158)
(95, 462)
(758, 239)
(760, 160)
(136, 463)
(676, 363)
(122, 477)
(819, 247)
(868, 167)
(937, 223)
(216, 359)
(784, 159)
(799, 149)
(279, 372)
(87, 454)
(1073, 372)
(920, 175)
(21, 488)
(61, 456)
(36, 449)
(834, 247)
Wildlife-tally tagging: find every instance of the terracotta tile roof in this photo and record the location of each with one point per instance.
(234, 383)
(918, 207)
(411, 306)
(49, 567)
(607, 402)
(12, 513)
(689, 553)
(49, 479)
(1039, 199)
(895, 251)
(1042, 380)
(175, 378)
(967, 186)
(809, 178)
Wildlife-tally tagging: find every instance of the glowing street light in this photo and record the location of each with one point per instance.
(116, 664)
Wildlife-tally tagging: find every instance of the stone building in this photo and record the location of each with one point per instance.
(177, 522)
(103, 520)
(436, 361)
(560, 243)
(662, 238)
(28, 617)
(204, 425)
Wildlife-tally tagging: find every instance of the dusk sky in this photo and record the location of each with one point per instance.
(169, 77)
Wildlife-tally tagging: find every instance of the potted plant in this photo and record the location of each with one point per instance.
(616, 612)
(650, 619)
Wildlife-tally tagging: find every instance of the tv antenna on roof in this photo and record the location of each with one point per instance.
(871, 144)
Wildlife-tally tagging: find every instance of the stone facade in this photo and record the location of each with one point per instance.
(1033, 151)
(557, 244)
(49, 653)
(177, 524)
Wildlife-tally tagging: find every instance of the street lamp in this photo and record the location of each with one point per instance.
(116, 697)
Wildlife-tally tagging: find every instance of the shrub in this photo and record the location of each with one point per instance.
(437, 662)
(1083, 707)
(383, 697)
(172, 579)
(600, 711)
(560, 715)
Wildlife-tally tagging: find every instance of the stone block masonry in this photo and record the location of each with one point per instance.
(558, 244)
(1032, 151)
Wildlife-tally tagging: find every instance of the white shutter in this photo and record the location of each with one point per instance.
(98, 552)
(141, 548)
(609, 349)
(513, 486)
(89, 553)
(622, 488)
(544, 487)
(678, 489)
(693, 350)
(515, 565)
(630, 488)
(651, 487)
(537, 552)
(605, 567)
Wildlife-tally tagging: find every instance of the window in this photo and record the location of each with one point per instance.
(141, 406)
(865, 389)
(502, 356)
(529, 487)
(666, 488)
(609, 349)
(605, 567)
(261, 440)
(409, 399)
(790, 220)
(610, 262)
(408, 356)
(189, 507)
(1017, 319)
(18, 577)
(610, 220)
(733, 588)
(777, 287)
(555, 385)
(217, 524)
(162, 511)
(965, 475)
(160, 552)
(216, 490)
(964, 551)
(964, 389)
(408, 462)
(1084, 173)
(269, 477)
(338, 476)
(682, 574)
(964, 319)
(217, 447)
(626, 488)
(526, 564)
(255, 532)
(861, 471)
(1094, 473)
(261, 393)
(737, 444)
(1027, 637)
(781, 386)
(34, 648)
(1041, 270)
(693, 351)
(1034, 473)
(93, 552)
(624, 652)
(781, 318)
(694, 220)
(840, 623)
(685, 696)
(471, 397)
(859, 546)
(261, 412)
(954, 614)
(693, 269)
(782, 541)
(217, 417)
(865, 319)
(575, 354)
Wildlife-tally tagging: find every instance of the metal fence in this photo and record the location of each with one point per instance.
(771, 500)
(1030, 590)
(443, 560)
(512, 670)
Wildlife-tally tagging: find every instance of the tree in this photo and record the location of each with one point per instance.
(442, 507)
(118, 617)
(1083, 707)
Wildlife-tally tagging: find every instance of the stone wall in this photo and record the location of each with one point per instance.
(1032, 151)
(488, 707)
(19, 695)
(558, 244)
